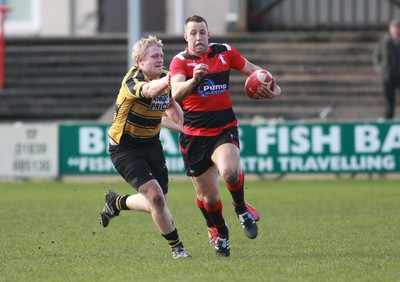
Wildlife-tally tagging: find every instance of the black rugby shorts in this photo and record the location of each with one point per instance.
(197, 150)
(138, 166)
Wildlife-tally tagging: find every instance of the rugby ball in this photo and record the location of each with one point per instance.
(254, 81)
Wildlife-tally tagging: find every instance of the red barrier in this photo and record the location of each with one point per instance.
(3, 11)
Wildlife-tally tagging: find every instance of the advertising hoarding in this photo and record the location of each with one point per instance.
(29, 150)
(281, 148)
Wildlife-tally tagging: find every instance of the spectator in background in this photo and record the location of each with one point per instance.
(135, 147)
(386, 59)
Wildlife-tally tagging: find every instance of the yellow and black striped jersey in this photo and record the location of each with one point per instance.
(137, 118)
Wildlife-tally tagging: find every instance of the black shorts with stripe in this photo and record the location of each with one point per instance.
(138, 166)
(197, 150)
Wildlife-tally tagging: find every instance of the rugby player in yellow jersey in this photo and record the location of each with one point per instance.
(144, 103)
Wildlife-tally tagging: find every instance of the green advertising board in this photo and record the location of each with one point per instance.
(280, 148)
(321, 148)
(83, 149)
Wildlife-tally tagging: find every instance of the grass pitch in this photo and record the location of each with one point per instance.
(310, 230)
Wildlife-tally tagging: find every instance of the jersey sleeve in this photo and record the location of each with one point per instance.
(237, 60)
(177, 66)
(130, 84)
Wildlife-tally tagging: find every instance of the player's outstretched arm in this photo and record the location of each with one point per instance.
(173, 117)
(182, 87)
(249, 68)
(156, 87)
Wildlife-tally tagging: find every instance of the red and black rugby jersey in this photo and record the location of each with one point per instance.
(208, 109)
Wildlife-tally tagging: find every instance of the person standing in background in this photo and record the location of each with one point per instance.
(386, 60)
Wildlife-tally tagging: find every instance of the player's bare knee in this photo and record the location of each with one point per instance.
(158, 201)
(211, 201)
(231, 178)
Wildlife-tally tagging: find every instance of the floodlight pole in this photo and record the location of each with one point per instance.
(180, 9)
(134, 26)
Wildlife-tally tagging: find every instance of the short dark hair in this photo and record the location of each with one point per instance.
(197, 19)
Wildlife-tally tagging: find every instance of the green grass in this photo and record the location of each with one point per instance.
(310, 230)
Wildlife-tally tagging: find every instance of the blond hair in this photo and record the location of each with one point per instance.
(140, 48)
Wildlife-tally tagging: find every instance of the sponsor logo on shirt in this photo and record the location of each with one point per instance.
(160, 103)
(208, 87)
(222, 59)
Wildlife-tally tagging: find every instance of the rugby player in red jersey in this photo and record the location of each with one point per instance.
(210, 139)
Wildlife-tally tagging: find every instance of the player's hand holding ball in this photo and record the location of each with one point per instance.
(261, 85)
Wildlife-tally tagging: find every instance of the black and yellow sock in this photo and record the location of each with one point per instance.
(120, 203)
(173, 239)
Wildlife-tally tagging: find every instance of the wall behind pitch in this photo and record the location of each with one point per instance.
(50, 150)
